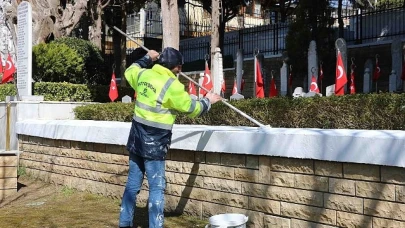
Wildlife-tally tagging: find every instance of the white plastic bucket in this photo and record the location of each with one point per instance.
(227, 221)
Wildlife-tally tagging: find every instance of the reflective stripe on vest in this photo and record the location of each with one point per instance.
(158, 109)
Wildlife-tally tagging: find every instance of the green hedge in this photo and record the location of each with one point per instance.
(94, 67)
(363, 111)
(56, 62)
(53, 91)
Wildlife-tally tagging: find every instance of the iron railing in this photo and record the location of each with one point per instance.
(362, 25)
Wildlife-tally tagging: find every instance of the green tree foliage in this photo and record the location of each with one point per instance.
(376, 5)
(313, 22)
(56, 62)
(93, 61)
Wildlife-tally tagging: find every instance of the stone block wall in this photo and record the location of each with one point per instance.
(272, 191)
(8, 175)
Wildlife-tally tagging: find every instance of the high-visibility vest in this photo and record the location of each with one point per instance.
(160, 95)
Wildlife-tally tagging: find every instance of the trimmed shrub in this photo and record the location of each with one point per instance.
(68, 92)
(56, 63)
(363, 111)
(111, 111)
(7, 90)
(93, 61)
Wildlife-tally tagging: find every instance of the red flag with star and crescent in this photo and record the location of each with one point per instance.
(235, 87)
(223, 88)
(242, 85)
(9, 71)
(191, 89)
(113, 94)
(314, 85)
(290, 79)
(341, 77)
(320, 73)
(273, 88)
(377, 71)
(1, 65)
(352, 86)
(207, 82)
(259, 85)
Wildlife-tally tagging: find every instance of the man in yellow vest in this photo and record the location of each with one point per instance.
(160, 96)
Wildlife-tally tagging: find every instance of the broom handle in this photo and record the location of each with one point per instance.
(190, 79)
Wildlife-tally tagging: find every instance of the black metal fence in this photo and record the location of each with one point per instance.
(362, 25)
(369, 25)
(268, 39)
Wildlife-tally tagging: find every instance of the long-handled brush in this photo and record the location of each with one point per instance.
(190, 79)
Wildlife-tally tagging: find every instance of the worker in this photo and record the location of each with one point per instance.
(160, 95)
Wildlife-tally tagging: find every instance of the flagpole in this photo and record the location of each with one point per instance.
(255, 72)
(14, 78)
(190, 79)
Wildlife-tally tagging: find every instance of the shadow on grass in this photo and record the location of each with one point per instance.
(172, 220)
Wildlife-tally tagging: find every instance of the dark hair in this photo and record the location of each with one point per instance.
(170, 58)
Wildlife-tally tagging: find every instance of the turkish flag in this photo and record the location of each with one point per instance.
(113, 94)
(259, 81)
(314, 85)
(320, 73)
(403, 71)
(223, 87)
(191, 89)
(242, 85)
(1, 65)
(9, 71)
(235, 88)
(341, 77)
(377, 71)
(207, 82)
(273, 88)
(352, 86)
(290, 80)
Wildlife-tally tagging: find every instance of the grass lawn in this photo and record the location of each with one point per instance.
(42, 205)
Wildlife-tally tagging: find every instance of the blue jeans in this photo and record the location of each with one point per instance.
(155, 172)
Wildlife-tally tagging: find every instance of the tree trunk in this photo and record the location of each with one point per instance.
(123, 44)
(283, 12)
(116, 42)
(340, 19)
(221, 35)
(68, 19)
(48, 16)
(95, 28)
(215, 28)
(170, 18)
(215, 40)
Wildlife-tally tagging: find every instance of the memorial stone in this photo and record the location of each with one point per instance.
(284, 79)
(367, 86)
(24, 49)
(312, 63)
(239, 69)
(330, 90)
(126, 99)
(395, 84)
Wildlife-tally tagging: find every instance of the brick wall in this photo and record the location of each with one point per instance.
(8, 175)
(272, 191)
